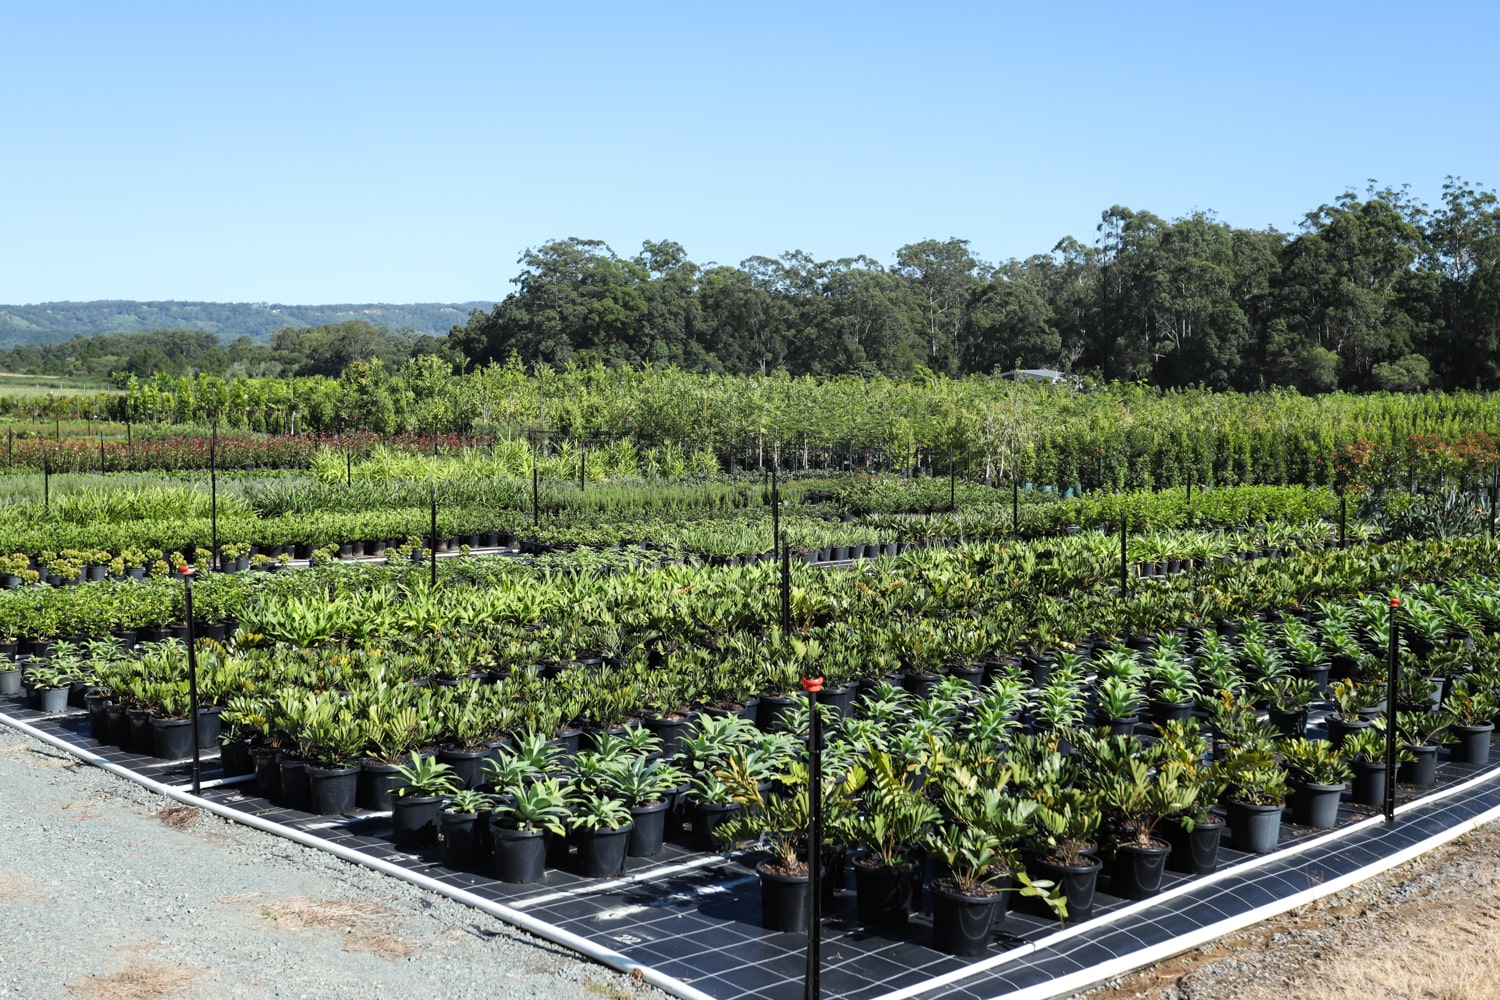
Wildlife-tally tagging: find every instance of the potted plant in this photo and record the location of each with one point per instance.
(1422, 734)
(1066, 823)
(891, 826)
(336, 742)
(1354, 702)
(601, 826)
(1255, 794)
(465, 826)
(1317, 775)
(1196, 832)
(49, 688)
(642, 783)
(1473, 723)
(780, 823)
(1365, 752)
(520, 824)
(1140, 801)
(418, 800)
(1117, 706)
(1287, 699)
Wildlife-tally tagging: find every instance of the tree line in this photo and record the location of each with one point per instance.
(1375, 291)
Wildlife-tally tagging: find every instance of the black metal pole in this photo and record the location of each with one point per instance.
(952, 502)
(101, 452)
(786, 588)
(348, 468)
(1124, 554)
(775, 513)
(583, 465)
(1343, 513)
(46, 479)
(1190, 493)
(1390, 717)
(187, 596)
(1494, 495)
(1015, 503)
(812, 989)
(432, 560)
(213, 490)
(536, 509)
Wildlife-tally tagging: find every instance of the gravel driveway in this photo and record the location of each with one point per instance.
(108, 891)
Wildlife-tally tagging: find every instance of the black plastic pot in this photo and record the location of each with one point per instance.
(961, 924)
(234, 758)
(1195, 851)
(468, 765)
(771, 709)
(885, 896)
(142, 735)
(10, 682)
(1078, 883)
(172, 739)
(117, 723)
(785, 900)
(1254, 828)
(1138, 869)
(1293, 723)
(671, 731)
(1423, 770)
(1163, 712)
(648, 831)
(461, 841)
(1472, 745)
(1315, 805)
(267, 764)
(601, 853)
(839, 701)
(209, 727)
(296, 792)
(707, 818)
(1339, 729)
(376, 784)
(98, 709)
(332, 791)
(414, 819)
(520, 855)
(1368, 787)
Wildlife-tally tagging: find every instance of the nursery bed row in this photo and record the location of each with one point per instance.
(696, 918)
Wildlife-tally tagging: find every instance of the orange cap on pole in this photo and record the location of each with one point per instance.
(812, 685)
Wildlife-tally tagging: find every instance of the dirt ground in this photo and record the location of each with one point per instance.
(1429, 930)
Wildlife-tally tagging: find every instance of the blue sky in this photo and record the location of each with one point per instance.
(396, 152)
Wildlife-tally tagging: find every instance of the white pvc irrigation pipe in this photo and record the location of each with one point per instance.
(530, 924)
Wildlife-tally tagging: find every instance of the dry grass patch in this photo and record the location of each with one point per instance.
(177, 817)
(137, 981)
(617, 988)
(364, 923)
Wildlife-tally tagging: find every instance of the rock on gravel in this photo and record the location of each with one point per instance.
(109, 892)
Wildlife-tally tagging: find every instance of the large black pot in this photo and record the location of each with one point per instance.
(414, 820)
(707, 818)
(173, 738)
(520, 855)
(1368, 787)
(671, 731)
(234, 758)
(468, 765)
(649, 830)
(885, 896)
(961, 924)
(601, 853)
(1078, 883)
(209, 727)
(1254, 828)
(332, 791)
(1138, 869)
(377, 783)
(461, 841)
(267, 764)
(1315, 805)
(296, 791)
(1423, 770)
(1339, 729)
(117, 726)
(1473, 743)
(785, 900)
(1195, 851)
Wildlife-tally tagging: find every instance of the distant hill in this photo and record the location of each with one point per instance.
(52, 322)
